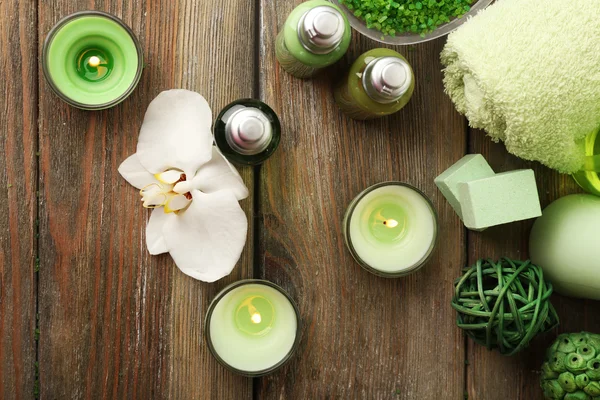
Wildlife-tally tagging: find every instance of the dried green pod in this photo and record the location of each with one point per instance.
(578, 339)
(582, 380)
(567, 381)
(575, 363)
(565, 344)
(579, 395)
(548, 373)
(593, 369)
(586, 351)
(593, 389)
(552, 389)
(578, 370)
(595, 343)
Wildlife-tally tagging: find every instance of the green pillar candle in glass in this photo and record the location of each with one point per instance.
(379, 83)
(391, 229)
(247, 132)
(92, 60)
(252, 327)
(589, 176)
(315, 35)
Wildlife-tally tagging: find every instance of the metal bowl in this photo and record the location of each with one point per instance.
(411, 38)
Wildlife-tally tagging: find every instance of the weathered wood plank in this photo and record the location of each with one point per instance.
(18, 201)
(492, 376)
(115, 321)
(363, 336)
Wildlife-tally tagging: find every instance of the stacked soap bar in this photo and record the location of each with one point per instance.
(482, 198)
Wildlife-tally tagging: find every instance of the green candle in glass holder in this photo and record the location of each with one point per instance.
(252, 327)
(92, 60)
(391, 229)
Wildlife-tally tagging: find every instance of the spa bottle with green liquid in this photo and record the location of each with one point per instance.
(315, 35)
(589, 175)
(379, 83)
(247, 132)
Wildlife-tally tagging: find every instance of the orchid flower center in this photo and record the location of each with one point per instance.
(171, 191)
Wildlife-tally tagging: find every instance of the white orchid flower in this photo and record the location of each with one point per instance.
(194, 191)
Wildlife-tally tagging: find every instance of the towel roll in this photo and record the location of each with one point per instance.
(528, 73)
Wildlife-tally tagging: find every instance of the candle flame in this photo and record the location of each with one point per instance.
(256, 318)
(94, 61)
(390, 223)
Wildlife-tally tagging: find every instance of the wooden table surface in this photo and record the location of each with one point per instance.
(87, 313)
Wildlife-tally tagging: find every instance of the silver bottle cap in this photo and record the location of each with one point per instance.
(386, 79)
(321, 29)
(248, 130)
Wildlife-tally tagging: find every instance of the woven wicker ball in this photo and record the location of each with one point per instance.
(503, 305)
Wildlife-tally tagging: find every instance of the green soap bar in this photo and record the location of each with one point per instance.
(500, 199)
(468, 168)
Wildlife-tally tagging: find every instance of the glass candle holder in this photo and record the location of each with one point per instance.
(92, 60)
(589, 177)
(391, 229)
(252, 327)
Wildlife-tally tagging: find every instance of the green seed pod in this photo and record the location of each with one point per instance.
(582, 380)
(567, 382)
(579, 395)
(575, 363)
(566, 345)
(593, 369)
(557, 363)
(552, 350)
(553, 390)
(579, 338)
(595, 343)
(548, 373)
(593, 389)
(586, 351)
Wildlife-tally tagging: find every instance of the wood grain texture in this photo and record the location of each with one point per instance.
(18, 201)
(492, 376)
(115, 321)
(363, 336)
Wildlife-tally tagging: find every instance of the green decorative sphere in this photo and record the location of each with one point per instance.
(503, 305)
(572, 368)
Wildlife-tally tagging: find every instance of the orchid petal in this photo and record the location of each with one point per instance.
(218, 174)
(176, 202)
(154, 201)
(155, 240)
(176, 133)
(183, 187)
(206, 240)
(133, 172)
(170, 177)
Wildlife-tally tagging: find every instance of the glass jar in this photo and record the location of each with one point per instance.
(92, 60)
(391, 229)
(252, 327)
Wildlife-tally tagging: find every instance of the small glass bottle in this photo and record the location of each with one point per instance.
(247, 132)
(589, 175)
(379, 83)
(315, 35)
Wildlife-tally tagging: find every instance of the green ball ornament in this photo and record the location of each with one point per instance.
(503, 305)
(572, 368)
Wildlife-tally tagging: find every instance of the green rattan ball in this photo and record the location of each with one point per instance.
(503, 305)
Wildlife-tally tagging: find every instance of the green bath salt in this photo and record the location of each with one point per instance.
(392, 17)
